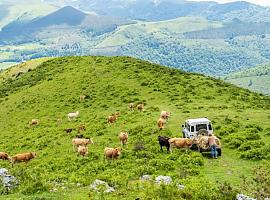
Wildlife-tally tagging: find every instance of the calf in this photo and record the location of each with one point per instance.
(180, 143)
(112, 153)
(164, 141)
(3, 156)
(23, 157)
(83, 150)
(123, 137)
(161, 123)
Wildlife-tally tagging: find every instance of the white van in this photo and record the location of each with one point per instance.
(192, 126)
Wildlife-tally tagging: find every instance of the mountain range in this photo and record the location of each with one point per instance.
(205, 37)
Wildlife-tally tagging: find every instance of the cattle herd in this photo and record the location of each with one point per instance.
(80, 143)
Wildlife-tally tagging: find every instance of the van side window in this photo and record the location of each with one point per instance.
(192, 129)
(209, 126)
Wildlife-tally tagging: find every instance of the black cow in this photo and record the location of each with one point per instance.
(163, 141)
(81, 136)
(69, 130)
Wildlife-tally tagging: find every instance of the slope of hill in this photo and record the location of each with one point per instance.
(52, 90)
(255, 79)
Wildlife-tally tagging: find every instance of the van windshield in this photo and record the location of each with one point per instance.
(201, 126)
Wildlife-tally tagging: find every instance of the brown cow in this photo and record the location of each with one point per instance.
(33, 122)
(165, 115)
(161, 123)
(123, 137)
(81, 142)
(83, 150)
(112, 118)
(3, 156)
(23, 157)
(180, 143)
(140, 107)
(113, 153)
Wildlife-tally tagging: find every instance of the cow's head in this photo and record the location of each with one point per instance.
(33, 154)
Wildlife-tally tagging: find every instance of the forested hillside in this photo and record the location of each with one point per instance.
(51, 90)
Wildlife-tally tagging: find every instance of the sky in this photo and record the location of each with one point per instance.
(259, 2)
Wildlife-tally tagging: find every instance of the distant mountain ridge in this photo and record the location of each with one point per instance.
(66, 17)
(150, 10)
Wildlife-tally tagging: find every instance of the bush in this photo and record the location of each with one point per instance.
(254, 154)
(251, 145)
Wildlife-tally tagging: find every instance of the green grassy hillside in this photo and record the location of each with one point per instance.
(256, 79)
(50, 91)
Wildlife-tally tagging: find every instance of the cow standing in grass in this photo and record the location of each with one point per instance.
(164, 141)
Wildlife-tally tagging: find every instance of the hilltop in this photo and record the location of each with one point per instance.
(52, 89)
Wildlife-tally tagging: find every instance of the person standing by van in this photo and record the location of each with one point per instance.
(213, 145)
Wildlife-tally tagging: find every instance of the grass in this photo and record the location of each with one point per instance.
(51, 90)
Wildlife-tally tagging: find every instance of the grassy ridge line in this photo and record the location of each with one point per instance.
(111, 83)
(22, 67)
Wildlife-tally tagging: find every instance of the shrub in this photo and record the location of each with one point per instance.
(251, 145)
(254, 154)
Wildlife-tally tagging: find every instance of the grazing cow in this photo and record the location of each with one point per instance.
(164, 141)
(161, 123)
(73, 115)
(23, 157)
(113, 153)
(82, 97)
(112, 118)
(81, 128)
(123, 137)
(68, 130)
(180, 143)
(83, 150)
(33, 122)
(3, 156)
(165, 115)
(81, 142)
(131, 106)
(140, 107)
